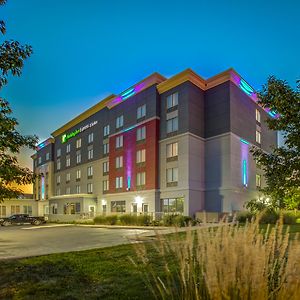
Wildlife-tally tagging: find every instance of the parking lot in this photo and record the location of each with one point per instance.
(27, 240)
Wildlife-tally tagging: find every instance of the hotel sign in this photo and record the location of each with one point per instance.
(66, 136)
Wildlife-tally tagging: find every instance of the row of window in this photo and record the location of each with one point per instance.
(15, 209)
(140, 181)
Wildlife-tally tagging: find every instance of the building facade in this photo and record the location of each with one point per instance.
(163, 145)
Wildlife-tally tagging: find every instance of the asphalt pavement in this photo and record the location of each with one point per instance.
(27, 240)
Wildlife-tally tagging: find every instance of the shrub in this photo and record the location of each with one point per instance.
(227, 262)
(143, 220)
(244, 216)
(111, 219)
(177, 220)
(127, 219)
(106, 220)
(100, 220)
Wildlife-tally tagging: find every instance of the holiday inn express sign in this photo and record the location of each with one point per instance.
(66, 136)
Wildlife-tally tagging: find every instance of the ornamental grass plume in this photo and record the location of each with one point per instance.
(224, 262)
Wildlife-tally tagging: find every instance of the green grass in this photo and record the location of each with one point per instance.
(94, 274)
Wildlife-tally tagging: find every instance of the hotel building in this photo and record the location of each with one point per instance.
(180, 144)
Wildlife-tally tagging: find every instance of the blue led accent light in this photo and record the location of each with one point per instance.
(244, 141)
(246, 87)
(245, 179)
(127, 96)
(272, 113)
(43, 188)
(127, 92)
(128, 182)
(129, 128)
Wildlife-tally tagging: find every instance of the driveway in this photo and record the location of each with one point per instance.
(28, 240)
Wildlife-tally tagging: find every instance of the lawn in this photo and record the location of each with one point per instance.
(95, 274)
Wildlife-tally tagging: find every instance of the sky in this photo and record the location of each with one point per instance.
(86, 50)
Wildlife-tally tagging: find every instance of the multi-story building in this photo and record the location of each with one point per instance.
(163, 145)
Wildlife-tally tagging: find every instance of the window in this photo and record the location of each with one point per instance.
(106, 130)
(78, 174)
(47, 156)
(141, 111)
(119, 162)
(90, 153)
(58, 152)
(119, 122)
(145, 208)
(68, 190)
(77, 189)
(68, 177)
(119, 141)
(57, 191)
(90, 137)
(141, 178)
(90, 171)
(68, 161)
(105, 148)
(2, 211)
(58, 164)
(172, 125)
(172, 205)
(172, 150)
(106, 167)
(15, 209)
(118, 206)
(258, 180)
(119, 182)
(105, 185)
(141, 133)
(172, 175)
(90, 188)
(68, 149)
(53, 209)
(58, 179)
(258, 135)
(78, 143)
(257, 112)
(172, 100)
(140, 156)
(78, 157)
(27, 209)
(39, 160)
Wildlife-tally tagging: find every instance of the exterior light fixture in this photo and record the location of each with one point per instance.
(138, 199)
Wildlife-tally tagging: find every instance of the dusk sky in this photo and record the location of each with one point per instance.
(85, 50)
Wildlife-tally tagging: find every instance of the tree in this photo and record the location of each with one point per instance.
(12, 56)
(282, 166)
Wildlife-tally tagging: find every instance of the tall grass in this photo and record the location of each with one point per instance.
(227, 262)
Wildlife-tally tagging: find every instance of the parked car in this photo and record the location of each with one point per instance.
(22, 219)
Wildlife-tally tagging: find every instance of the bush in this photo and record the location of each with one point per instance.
(178, 220)
(100, 220)
(111, 219)
(143, 220)
(127, 219)
(244, 216)
(106, 220)
(268, 217)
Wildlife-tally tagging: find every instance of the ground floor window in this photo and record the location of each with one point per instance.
(15, 209)
(2, 211)
(118, 206)
(72, 208)
(27, 209)
(172, 205)
(134, 207)
(54, 208)
(145, 208)
(46, 209)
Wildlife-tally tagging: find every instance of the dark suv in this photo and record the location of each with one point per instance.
(22, 219)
